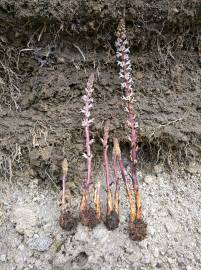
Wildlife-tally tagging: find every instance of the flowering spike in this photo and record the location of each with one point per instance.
(88, 215)
(123, 60)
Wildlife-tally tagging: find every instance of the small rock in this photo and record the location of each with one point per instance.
(158, 265)
(156, 252)
(158, 169)
(100, 232)
(21, 247)
(193, 168)
(143, 244)
(20, 260)
(40, 243)
(3, 258)
(61, 60)
(146, 259)
(82, 233)
(171, 227)
(151, 231)
(149, 179)
(135, 256)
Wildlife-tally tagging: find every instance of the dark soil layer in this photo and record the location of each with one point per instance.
(47, 51)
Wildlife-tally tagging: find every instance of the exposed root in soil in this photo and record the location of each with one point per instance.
(88, 217)
(112, 221)
(67, 220)
(138, 230)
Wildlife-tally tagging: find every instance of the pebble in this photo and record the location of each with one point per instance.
(100, 232)
(158, 169)
(82, 233)
(193, 168)
(171, 227)
(156, 252)
(148, 179)
(40, 243)
(3, 258)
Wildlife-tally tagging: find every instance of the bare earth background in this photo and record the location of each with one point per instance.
(47, 51)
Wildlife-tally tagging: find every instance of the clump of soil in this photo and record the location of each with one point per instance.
(138, 230)
(112, 221)
(67, 220)
(88, 217)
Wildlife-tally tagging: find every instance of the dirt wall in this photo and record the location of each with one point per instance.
(48, 49)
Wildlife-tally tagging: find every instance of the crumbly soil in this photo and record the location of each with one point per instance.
(47, 51)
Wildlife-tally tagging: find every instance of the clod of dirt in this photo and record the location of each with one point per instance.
(67, 221)
(112, 221)
(88, 217)
(138, 230)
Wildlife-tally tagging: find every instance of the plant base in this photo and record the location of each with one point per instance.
(89, 218)
(67, 221)
(138, 230)
(112, 221)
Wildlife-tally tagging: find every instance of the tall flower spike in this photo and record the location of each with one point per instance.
(66, 220)
(112, 216)
(88, 215)
(137, 226)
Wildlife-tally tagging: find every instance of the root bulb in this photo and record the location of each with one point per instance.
(88, 217)
(112, 221)
(138, 230)
(67, 221)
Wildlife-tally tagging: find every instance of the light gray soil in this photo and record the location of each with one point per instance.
(30, 237)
